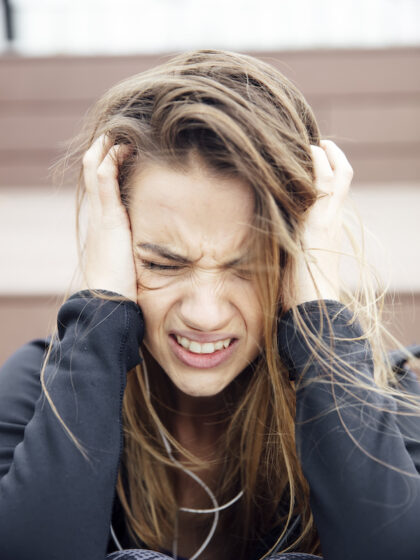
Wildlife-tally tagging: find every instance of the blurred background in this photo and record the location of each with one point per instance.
(356, 61)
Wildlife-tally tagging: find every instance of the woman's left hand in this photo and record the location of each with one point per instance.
(318, 266)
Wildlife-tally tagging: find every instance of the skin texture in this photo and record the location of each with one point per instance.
(204, 219)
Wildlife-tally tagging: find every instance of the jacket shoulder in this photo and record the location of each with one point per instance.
(20, 389)
(23, 367)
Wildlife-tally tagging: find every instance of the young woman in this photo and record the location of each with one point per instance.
(215, 390)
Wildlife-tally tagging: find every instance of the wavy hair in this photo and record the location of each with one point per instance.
(244, 119)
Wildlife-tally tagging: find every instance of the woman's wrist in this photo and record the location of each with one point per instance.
(330, 321)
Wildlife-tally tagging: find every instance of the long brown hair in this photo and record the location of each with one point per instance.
(244, 119)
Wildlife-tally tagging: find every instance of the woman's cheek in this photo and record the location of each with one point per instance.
(156, 301)
(148, 280)
(251, 309)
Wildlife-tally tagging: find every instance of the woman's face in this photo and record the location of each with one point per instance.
(191, 245)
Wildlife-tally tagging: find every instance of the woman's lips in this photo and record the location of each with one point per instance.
(201, 361)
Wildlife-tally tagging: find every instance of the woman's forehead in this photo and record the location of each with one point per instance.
(190, 210)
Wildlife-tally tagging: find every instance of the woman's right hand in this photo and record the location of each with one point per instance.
(109, 262)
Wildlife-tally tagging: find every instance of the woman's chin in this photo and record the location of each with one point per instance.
(199, 388)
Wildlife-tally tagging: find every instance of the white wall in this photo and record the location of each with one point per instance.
(148, 26)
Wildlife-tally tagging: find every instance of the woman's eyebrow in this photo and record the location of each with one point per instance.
(166, 253)
(163, 252)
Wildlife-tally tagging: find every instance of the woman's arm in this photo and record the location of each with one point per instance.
(53, 502)
(365, 488)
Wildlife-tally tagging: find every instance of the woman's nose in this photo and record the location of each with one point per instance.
(205, 305)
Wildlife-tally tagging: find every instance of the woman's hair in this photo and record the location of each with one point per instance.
(243, 119)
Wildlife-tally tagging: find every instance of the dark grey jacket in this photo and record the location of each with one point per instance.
(54, 505)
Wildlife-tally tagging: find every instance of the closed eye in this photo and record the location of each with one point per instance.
(244, 273)
(150, 265)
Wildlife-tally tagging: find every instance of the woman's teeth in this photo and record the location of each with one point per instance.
(205, 348)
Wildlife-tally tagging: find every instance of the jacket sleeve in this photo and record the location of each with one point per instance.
(55, 504)
(357, 454)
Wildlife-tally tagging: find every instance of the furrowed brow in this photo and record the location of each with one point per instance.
(163, 252)
(166, 253)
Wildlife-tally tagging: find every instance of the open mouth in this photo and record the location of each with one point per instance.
(202, 354)
(202, 347)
